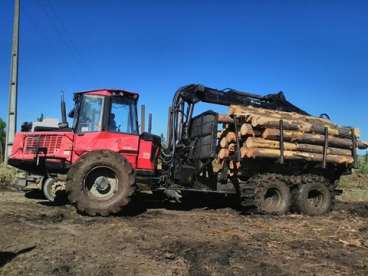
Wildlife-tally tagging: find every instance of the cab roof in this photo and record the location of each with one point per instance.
(110, 92)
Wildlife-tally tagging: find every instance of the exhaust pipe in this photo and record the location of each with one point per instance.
(64, 122)
(143, 118)
(150, 123)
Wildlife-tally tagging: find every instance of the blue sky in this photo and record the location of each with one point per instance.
(314, 51)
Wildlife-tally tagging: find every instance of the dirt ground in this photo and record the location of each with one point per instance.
(37, 238)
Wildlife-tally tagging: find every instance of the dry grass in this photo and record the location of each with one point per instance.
(7, 175)
(355, 181)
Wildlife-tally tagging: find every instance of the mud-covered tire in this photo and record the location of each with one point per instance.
(314, 199)
(47, 189)
(92, 169)
(272, 195)
(54, 191)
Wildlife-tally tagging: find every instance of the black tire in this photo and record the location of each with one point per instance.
(54, 191)
(101, 183)
(314, 199)
(47, 189)
(272, 195)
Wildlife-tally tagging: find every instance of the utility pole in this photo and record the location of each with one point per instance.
(13, 89)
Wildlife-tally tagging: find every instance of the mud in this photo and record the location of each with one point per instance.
(37, 238)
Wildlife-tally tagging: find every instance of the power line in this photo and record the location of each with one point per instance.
(65, 30)
(62, 32)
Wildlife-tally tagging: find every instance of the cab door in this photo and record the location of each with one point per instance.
(107, 122)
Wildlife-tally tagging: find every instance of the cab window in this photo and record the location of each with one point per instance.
(90, 116)
(123, 117)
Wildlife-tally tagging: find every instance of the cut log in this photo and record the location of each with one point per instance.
(250, 110)
(232, 147)
(224, 143)
(317, 128)
(362, 145)
(259, 117)
(253, 142)
(223, 154)
(244, 152)
(246, 130)
(217, 165)
(225, 119)
(220, 134)
(356, 132)
(231, 137)
(299, 136)
(297, 155)
(233, 165)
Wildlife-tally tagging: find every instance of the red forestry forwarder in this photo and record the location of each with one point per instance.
(102, 160)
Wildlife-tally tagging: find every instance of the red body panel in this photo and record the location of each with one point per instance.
(146, 156)
(52, 145)
(126, 145)
(69, 147)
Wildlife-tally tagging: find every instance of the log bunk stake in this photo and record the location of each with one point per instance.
(354, 149)
(325, 149)
(282, 146)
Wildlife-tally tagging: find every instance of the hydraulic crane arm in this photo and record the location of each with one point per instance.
(197, 93)
(186, 97)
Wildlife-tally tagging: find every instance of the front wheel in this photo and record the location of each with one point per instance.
(101, 183)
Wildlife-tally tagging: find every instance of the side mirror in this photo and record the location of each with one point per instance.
(71, 114)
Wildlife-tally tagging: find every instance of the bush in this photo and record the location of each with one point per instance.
(7, 175)
(363, 165)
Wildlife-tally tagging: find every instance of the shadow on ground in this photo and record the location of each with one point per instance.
(7, 257)
(146, 201)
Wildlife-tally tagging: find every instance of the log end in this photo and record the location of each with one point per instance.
(356, 132)
(362, 145)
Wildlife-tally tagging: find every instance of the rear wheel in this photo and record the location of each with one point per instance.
(314, 199)
(272, 195)
(101, 183)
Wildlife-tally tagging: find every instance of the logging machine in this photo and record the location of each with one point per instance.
(266, 153)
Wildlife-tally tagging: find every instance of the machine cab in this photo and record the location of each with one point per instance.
(106, 110)
(107, 119)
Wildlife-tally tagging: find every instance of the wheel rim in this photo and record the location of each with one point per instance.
(272, 199)
(48, 189)
(316, 199)
(101, 183)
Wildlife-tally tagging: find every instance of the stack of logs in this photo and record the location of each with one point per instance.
(263, 133)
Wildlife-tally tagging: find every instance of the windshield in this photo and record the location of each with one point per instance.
(123, 117)
(90, 116)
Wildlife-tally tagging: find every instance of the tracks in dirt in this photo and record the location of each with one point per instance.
(177, 242)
